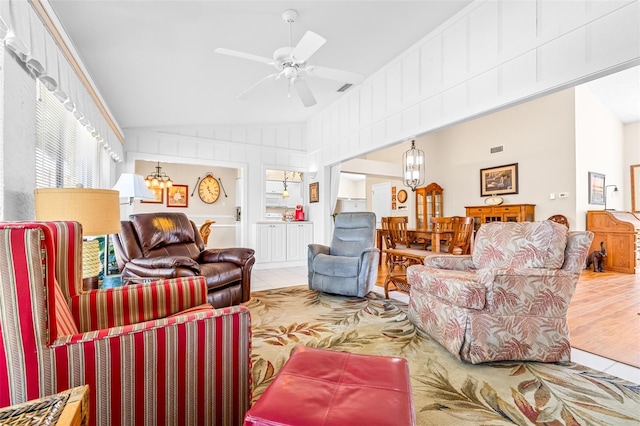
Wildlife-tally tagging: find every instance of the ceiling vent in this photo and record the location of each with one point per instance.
(344, 88)
(496, 149)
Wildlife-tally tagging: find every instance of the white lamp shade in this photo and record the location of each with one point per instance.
(133, 186)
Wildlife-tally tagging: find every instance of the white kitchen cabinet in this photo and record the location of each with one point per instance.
(299, 236)
(274, 187)
(352, 206)
(283, 242)
(271, 242)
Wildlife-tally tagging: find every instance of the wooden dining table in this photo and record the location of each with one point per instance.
(429, 234)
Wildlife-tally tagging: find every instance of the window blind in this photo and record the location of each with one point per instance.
(66, 153)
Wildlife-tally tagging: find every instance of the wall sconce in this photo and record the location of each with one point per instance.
(413, 164)
(606, 196)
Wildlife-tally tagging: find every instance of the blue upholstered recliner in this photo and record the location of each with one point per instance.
(350, 265)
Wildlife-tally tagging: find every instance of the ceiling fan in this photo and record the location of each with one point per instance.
(291, 62)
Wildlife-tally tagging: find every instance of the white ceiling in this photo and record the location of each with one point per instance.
(154, 61)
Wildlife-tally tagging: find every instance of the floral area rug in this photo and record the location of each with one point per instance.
(445, 390)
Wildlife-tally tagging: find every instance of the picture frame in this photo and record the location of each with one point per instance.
(178, 196)
(596, 188)
(158, 193)
(635, 188)
(314, 193)
(499, 180)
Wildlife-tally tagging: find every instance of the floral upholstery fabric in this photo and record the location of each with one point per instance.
(151, 353)
(520, 245)
(500, 313)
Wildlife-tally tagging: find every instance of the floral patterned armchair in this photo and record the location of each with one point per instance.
(506, 301)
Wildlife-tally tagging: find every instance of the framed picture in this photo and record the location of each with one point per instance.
(499, 180)
(314, 194)
(596, 188)
(158, 193)
(177, 196)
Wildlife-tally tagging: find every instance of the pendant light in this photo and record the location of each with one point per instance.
(413, 165)
(158, 179)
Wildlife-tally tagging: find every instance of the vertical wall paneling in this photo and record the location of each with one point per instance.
(454, 53)
(379, 96)
(431, 66)
(411, 77)
(366, 104)
(393, 87)
(483, 35)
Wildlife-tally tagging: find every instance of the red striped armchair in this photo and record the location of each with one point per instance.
(152, 353)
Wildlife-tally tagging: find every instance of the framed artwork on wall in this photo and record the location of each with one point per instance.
(314, 196)
(177, 196)
(596, 188)
(499, 180)
(158, 193)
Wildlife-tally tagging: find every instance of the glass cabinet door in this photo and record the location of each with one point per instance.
(420, 209)
(428, 205)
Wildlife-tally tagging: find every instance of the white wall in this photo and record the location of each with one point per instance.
(538, 135)
(600, 138)
(18, 135)
(631, 156)
(251, 149)
(491, 55)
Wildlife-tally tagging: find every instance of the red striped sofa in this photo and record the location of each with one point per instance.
(152, 353)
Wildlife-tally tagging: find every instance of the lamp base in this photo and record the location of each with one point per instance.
(90, 283)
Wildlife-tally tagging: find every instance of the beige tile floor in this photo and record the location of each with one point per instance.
(265, 279)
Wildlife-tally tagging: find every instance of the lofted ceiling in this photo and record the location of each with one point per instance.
(154, 61)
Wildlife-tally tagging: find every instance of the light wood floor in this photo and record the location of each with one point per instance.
(604, 315)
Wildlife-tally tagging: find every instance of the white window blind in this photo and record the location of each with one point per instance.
(66, 153)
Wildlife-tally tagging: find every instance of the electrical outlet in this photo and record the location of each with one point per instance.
(563, 194)
(552, 196)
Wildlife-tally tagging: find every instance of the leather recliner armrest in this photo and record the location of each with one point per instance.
(238, 255)
(167, 262)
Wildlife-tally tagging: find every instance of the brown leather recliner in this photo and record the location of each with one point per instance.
(168, 245)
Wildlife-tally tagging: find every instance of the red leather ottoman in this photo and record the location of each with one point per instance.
(322, 387)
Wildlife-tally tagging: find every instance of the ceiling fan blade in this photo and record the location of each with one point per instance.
(304, 92)
(335, 74)
(307, 46)
(244, 55)
(244, 95)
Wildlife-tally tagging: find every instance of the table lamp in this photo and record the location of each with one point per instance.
(97, 210)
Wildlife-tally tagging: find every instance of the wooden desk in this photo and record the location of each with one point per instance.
(428, 234)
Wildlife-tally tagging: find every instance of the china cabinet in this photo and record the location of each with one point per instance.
(428, 204)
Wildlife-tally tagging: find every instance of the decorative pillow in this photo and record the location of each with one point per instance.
(520, 245)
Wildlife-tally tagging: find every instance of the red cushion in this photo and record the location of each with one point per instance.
(322, 387)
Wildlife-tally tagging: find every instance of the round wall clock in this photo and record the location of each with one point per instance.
(209, 189)
(402, 196)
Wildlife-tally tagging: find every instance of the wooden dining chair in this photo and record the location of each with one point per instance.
(462, 237)
(444, 225)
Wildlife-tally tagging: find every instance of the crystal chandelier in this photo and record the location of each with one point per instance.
(158, 179)
(413, 164)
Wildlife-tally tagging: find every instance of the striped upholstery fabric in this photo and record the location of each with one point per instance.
(144, 364)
